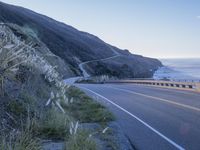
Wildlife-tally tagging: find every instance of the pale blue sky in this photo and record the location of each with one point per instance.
(156, 28)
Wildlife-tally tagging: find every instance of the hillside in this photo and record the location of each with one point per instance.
(38, 111)
(36, 107)
(74, 46)
(27, 77)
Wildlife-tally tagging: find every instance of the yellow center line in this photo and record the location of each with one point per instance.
(159, 99)
(183, 91)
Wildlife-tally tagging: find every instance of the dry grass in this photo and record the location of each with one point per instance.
(85, 109)
(53, 124)
(50, 123)
(23, 140)
(81, 141)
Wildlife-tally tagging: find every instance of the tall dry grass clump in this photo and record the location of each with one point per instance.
(15, 52)
(12, 54)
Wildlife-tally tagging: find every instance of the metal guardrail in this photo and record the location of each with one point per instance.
(174, 80)
(192, 86)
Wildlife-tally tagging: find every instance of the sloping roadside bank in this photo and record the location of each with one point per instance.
(96, 120)
(36, 105)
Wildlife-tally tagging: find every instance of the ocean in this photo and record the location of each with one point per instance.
(179, 69)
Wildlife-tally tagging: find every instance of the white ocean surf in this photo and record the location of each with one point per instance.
(179, 69)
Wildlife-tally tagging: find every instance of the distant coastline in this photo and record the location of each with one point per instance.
(179, 69)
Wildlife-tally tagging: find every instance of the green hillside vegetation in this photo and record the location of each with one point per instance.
(35, 103)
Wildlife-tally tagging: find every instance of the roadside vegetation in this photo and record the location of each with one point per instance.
(36, 105)
(85, 109)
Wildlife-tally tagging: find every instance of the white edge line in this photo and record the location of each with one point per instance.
(144, 123)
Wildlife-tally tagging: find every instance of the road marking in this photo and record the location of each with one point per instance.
(159, 99)
(138, 119)
(168, 89)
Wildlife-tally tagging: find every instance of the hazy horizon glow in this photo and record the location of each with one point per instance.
(154, 28)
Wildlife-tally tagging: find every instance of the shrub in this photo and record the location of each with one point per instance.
(21, 141)
(81, 141)
(53, 124)
(27, 99)
(74, 92)
(85, 109)
(17, 108)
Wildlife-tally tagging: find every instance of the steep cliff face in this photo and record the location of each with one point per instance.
(74, 46)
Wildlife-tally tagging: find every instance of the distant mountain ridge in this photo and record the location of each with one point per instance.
(74, 46)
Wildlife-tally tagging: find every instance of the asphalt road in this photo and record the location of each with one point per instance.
(152, 118)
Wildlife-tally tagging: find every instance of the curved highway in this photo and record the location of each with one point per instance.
(81, 65)
(152, 118)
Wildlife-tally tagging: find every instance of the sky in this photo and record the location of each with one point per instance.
(154, 28)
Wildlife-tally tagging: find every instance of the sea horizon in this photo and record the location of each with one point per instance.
(179, 69)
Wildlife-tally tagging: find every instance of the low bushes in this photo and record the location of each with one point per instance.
(53, 124)
(81, 141)
(85, 109)
(23, 140)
